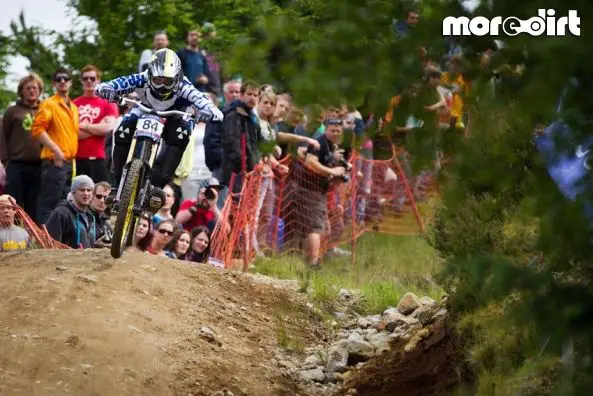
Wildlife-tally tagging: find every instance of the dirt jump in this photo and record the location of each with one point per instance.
(81, 323)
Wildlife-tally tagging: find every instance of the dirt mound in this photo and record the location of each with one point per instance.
(74, 322)
(419, 367)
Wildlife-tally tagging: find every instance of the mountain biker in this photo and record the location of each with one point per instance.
(162, 87)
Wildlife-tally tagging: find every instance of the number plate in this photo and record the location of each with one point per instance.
(149, 126)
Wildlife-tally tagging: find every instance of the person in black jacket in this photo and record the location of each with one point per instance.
(239, 122)
(104, 231)
(72, 222)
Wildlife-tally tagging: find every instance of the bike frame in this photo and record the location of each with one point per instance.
(155, 145)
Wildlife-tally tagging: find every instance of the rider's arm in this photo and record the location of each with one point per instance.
(190, 93)
(124, 85)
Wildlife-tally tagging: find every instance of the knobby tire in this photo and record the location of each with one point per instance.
(123, 233)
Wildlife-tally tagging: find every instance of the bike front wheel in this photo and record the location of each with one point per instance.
(126, 218)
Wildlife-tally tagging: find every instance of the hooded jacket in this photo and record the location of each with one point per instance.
(239, 119)
(72, 227)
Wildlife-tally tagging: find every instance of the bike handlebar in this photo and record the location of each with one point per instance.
(123, 100)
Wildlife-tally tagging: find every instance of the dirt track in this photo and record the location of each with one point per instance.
(99, 326)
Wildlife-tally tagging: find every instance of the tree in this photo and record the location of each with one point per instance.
(500, 211)
(28, 41)
(6, 96)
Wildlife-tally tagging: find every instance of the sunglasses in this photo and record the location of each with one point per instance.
(93, 79)
(100, 196)
(61, 77)
(167, 232)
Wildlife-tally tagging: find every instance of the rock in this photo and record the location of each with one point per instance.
(411, 345)
(207, 334)
(358, 349)
(422, 334)
(314, 375)
(340, 315)
(352, 392)
(363, 323)
(440, 314)
(284, 363)
(426, 301)
(381, 342)
(369, 333)
(86, 368)
(425, 313)
(345, 294)
(374, 320)
(337, 357)
(311, 362)
(336, 377)
(347, 375)
(393, 319)
(88, 278)
(408, 304)
(62, 268)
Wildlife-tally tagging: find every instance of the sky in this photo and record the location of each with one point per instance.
(51, 14)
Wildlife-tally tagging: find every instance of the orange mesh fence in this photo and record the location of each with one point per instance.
(37, 237)
(275, 212)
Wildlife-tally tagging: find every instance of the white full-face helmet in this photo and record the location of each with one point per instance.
(164, 73)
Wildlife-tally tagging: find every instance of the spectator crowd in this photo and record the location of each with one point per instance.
(56, 151)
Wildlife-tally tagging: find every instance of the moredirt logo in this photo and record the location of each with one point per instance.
(545, 23)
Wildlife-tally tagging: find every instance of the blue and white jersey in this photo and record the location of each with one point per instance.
(184, 97)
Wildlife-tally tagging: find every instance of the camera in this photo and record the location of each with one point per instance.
(210, 194)
(346, 165)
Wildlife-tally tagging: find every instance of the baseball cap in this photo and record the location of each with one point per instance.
(213, 183)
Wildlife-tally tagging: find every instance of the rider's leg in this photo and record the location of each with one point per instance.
(122, 139)
(176, 136)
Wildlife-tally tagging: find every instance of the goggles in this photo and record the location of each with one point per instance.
(163, 82)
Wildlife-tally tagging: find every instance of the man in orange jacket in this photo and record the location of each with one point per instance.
(56, 127)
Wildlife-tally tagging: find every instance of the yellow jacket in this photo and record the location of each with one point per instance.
(457, 105)
(60, 121)
(187, 161)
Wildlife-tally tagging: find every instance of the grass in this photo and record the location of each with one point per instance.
(285, 321)
(385, 268)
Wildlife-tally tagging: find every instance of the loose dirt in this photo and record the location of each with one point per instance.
(82, 323)
(429, 369)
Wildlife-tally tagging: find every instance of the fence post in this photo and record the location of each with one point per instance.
(229, 201)
(399, 169)
(354, 206)
(276, 219)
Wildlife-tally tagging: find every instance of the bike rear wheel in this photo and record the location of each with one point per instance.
(126, 218)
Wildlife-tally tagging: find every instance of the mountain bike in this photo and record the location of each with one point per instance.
(135, 184)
